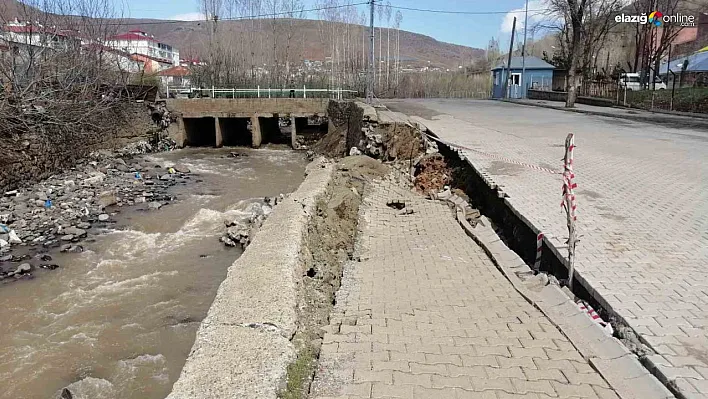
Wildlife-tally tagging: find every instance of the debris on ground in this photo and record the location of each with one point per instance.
(396, 204)
(352, 133)
(432, 174)
(241, 231)
(60, 211)
(402, 141)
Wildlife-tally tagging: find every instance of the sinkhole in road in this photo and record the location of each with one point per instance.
(515, 232)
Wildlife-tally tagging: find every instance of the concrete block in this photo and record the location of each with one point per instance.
(234, 362)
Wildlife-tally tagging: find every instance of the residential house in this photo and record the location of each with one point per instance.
(178, 76)
(36, 35)
(145, 48)
(539, 75)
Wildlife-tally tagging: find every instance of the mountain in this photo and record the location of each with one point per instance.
(303, 39)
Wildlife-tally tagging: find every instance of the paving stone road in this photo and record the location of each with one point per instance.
(642, 211)
(426, 314)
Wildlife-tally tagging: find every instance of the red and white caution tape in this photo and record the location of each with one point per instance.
(495, 156)
(539, 248)
(586, 308)
(568, 184)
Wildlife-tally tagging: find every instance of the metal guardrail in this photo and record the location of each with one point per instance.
(259, 92)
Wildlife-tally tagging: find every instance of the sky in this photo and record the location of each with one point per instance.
(468, 30)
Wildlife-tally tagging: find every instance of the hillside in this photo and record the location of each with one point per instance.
(308, 39)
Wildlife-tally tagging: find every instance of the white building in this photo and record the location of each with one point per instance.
(37, 35)
(140, 43)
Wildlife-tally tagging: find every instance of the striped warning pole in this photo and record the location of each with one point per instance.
(539, 247)
(569, 204)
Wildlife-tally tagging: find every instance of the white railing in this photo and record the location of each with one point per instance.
(259, 92)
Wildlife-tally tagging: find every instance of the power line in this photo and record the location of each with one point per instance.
(460, 12)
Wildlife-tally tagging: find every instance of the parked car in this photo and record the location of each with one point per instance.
(632, 81)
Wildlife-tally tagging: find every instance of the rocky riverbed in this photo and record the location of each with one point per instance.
(118, 319)
(63, 210)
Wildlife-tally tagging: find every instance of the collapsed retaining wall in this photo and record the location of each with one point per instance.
(35, 155)
(243, 346)
(358, 128)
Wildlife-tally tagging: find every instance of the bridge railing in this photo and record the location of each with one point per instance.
(258, 92)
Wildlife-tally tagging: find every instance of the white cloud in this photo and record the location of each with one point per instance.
(535, 17)
(190, 16)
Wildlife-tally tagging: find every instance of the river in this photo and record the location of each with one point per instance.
(119, 319)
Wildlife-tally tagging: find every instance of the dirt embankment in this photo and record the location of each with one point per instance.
(432, 174)
(330, 240)
(352, 131)
(27, 157)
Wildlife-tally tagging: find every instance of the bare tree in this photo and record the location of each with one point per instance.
(399, 19)
(582, 27)
(387, 12)
(58, 81)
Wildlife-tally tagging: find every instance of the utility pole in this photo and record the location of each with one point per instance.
(523, 52)
(370, 72)
(508, 64)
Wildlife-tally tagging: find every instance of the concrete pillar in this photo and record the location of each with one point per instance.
(256, 137)
(219, 134)
(180, 135)
(293, 133)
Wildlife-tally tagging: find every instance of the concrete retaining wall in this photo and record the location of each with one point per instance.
(243, 347)
(34, 155)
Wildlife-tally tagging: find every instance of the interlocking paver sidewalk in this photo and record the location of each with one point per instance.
(426, 314)
(642, 212)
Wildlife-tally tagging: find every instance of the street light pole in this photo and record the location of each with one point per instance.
(523, 53)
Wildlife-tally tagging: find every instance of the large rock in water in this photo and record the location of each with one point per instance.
(88, 388)
(181, 168)
(76, 232)
(23, 268)
(107, 198)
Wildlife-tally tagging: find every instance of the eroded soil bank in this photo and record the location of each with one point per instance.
(118, 319)
(331, 234)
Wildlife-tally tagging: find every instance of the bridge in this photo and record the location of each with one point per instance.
(251, 122)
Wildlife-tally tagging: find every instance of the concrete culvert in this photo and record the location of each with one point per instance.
(200, 132)
(270, 130)
(235, 132)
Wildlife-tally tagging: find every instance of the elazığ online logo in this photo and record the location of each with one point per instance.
(657, 18)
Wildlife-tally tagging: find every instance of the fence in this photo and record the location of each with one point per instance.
(600, 89)
(686, 99)
(258, 92)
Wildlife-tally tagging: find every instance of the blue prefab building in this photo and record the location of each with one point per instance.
(539, 75)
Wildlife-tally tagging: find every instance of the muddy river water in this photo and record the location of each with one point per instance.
(118, 320)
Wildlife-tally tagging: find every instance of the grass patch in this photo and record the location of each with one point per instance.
(689, 99)
(300, 374)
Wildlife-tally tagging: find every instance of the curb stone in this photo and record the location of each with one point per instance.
(617, 365)
(699, 121)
